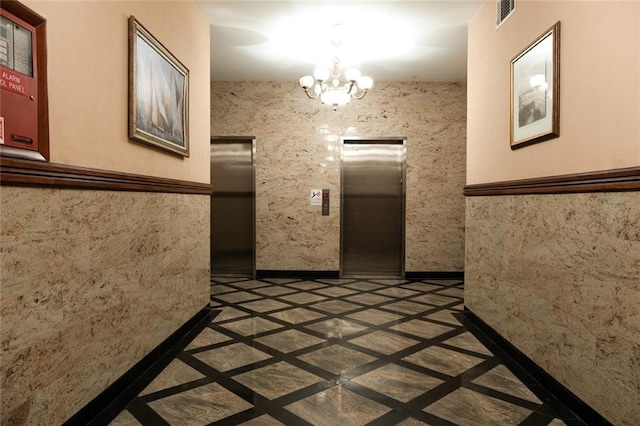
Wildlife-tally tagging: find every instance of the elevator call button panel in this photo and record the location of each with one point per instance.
(325, 202)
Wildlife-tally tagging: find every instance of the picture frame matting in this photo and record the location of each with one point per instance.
(535, 91)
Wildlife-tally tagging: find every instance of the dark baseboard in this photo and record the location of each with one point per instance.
(425, 275)
(555, 394)
(270, 273)
(106, 406)
(435, 275)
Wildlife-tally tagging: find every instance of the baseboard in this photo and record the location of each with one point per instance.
(435, 275)
(106, 406)
(526, 369)
(425, 275)
(270, 273)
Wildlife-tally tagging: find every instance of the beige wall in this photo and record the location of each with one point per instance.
(88, 83)
(92, 281)
(558, 275)
(298, 143)
(600, 89)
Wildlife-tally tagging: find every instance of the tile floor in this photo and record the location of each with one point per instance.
(337, 352)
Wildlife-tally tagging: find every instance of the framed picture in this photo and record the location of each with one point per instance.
(158, 93)
(535, 90)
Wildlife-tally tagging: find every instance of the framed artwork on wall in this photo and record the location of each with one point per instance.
(158, 93)
(535, 91)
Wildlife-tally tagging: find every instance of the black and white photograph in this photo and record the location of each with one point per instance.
(535, 91)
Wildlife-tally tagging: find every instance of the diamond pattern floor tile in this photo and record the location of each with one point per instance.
(288, 351)
(337, 406)
(337, 359)
(398, 382)
(480, 410)
(231, 357)
(199, 406)
(276, 380)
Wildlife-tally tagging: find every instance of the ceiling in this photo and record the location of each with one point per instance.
(387, 40)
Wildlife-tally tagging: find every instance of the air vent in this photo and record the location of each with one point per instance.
(504, 9)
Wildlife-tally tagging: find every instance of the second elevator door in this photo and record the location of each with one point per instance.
(372, 209)
(232, 207)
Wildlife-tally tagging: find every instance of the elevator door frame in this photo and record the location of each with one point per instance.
(239, 139)
(369, 141)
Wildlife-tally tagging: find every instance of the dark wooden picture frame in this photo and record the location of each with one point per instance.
(158, 93)
(535, 91)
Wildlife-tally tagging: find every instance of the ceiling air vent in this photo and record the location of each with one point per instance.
(504, 9)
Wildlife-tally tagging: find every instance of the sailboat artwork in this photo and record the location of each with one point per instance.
(158, 104)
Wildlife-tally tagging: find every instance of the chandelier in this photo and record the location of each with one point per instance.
(326, 84)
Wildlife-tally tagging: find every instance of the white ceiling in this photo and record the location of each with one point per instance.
(388, 40)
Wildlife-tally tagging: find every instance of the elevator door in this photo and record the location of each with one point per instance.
(372, 208)
(233, 207)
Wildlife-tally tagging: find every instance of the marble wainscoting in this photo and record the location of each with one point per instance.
(298, 149)
(559, 277)
(92, 281)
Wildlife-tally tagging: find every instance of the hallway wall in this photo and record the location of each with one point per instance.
(298, 143)
(93, 280)
(558, 275)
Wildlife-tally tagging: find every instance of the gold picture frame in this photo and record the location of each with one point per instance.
(535, 91)
(158, 93)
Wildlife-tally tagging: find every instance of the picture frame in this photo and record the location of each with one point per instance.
(158, 93)
(535, 91)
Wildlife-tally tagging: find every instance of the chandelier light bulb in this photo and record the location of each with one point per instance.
(352, 74)
(306, 81)
(365, 83)
(321, 74)
(335, 97)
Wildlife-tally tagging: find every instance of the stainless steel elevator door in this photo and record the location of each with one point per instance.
(372, 209)
(232, 208)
